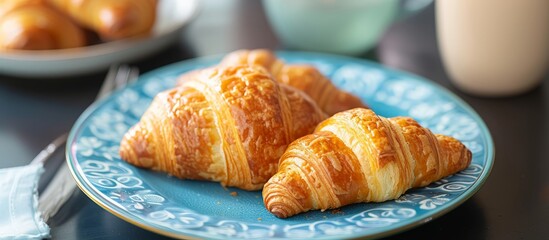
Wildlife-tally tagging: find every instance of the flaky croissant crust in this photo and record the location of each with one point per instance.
(357, 156)
(301, 76)
(229, 125)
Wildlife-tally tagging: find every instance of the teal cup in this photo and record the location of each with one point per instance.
(349, 27)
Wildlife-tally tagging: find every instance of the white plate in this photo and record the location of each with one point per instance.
(172, 16)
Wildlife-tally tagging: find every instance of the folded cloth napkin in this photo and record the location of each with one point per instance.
(19, 215)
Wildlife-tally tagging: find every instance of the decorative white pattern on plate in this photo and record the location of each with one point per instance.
(190, 208)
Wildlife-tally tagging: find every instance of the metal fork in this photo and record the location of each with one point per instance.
(62, 186)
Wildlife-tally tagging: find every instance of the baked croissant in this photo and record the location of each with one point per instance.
(111, 19)
(33, 25)
(303, 77)
(356, 156)
(229, 125)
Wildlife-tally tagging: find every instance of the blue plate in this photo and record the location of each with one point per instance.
(184, 208)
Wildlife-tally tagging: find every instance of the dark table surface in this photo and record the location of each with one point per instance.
(513, 203)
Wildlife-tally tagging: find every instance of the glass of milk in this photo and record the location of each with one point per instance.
(494, 47)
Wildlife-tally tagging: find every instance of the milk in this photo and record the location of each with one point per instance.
(494, 47)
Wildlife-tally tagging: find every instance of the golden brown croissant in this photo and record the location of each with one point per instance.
(111, 19)
(229, 125)
(357, 156)
(303, 77)
(33, 25)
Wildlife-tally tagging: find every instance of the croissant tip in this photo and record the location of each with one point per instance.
(278, 212)
(133, 148)
(278, 200)
(468, 156)
(126, 151)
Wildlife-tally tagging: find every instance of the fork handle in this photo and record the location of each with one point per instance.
(52, 199)
(48, 151)
(63, 186)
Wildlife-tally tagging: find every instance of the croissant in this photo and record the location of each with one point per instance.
(111, 19)
(356, 156)
(33, 25)
(303, 77)
(229, 125)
